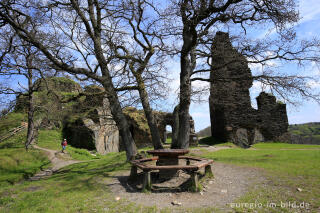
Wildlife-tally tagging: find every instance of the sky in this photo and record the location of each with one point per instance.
(307, 111)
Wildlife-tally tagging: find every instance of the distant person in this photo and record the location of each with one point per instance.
(64, 144)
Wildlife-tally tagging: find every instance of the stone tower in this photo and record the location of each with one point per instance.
(231, 114)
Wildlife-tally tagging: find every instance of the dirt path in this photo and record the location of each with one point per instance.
(58, 160)
(229, 183)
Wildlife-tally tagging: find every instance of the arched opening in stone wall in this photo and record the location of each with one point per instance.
(132, 131)
(78, 135)
(168, 134)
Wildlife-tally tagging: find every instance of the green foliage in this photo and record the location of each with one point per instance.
(63, 80)
(10, 121)
(308, 129)
(16, 163)
(206, 132)
(309, 132)
(138, 117)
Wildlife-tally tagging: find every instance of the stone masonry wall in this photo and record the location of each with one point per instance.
(231, 114)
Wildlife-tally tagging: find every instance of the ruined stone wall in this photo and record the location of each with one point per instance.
(231, 114)
(94, 125)
(172, 119)
(272, 117)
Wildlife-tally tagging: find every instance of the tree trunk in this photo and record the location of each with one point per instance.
(115, 106)
(175, 128)
(187, 64)
(155, 135)
(120, 119)
(185, 97)
(32, 131)
(31, 134)
(185, 91)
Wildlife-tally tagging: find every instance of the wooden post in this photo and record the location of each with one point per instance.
(208, 171)
(146, 181)
(195, 181)
(188, 162)
(133, 173)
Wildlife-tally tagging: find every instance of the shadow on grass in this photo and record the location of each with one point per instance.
(158, 185)
(87, 176)
(210, 141)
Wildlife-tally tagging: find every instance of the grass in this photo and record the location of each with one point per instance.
(16, 163)
(81, 187)
(211, 141)
(287, 166)
(51, 139)
(169, 140)
(10, 121)
(84, 187)
(284, 146)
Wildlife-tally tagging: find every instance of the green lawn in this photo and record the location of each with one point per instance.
(84, 187)
(169, 140)
(16, 163)
(10, 121)
(287, 167)
(284, 146)
(51, 139)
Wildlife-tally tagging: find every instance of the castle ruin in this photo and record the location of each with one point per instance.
(232, 116)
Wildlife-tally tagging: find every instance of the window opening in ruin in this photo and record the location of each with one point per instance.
(168, 134)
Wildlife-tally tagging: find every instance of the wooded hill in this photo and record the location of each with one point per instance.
(306, 133)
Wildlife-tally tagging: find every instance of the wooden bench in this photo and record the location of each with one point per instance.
(192, 169)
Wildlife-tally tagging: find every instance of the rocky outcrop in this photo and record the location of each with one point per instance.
(231, 114)
(92, 126)
(60, 84)
(85, 117)
(141, 132)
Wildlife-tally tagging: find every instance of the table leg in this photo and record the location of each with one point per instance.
(133, 173)
(195, 181)
(208, 171)
(146, 181)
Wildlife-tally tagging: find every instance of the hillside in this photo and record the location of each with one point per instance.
(307, 129)
(204, 132)
(307, 133)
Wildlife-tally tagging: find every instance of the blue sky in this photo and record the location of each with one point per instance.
(307, 111)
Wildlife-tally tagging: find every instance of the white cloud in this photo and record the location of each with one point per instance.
(308, 112)
(313, 84)
(257, 87)
(199, 114)
(309, 10)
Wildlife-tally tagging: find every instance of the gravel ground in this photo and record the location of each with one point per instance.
(229, 183)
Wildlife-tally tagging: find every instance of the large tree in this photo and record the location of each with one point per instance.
(111, 43)
(20, 60)
(142, 57)
(200, 19)
(69, 31)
